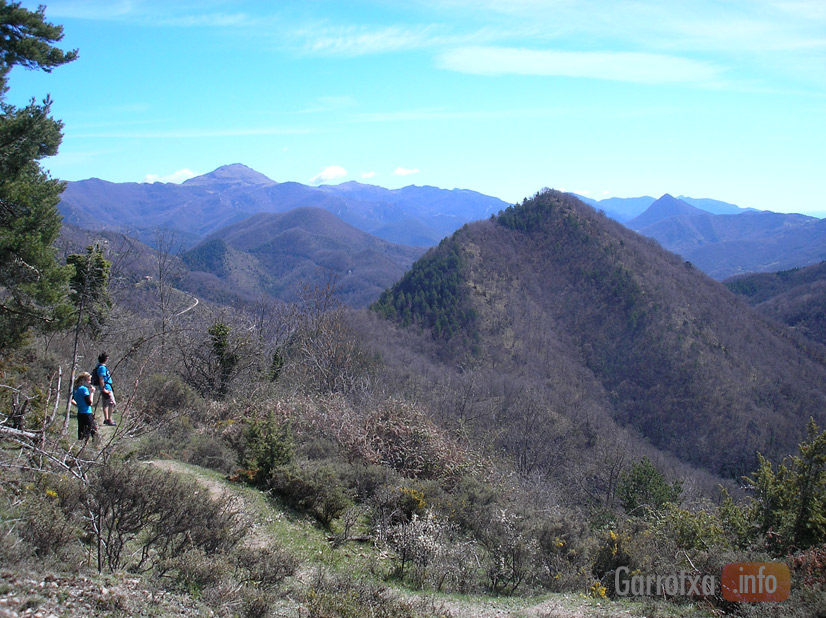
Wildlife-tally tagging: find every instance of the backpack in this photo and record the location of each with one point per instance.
(96, 377)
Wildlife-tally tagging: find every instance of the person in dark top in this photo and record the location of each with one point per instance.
(82, 397)
(103, 381)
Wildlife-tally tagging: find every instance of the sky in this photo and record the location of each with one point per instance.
(722, 99)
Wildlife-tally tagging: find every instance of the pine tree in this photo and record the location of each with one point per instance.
(33, 290)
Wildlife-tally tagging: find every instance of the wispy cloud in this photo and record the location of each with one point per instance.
(367, 175)
(189, 133)
(176, 177)
(155, 13)
(332, 172)
(634, 67)
(401, 171)
(357, 40)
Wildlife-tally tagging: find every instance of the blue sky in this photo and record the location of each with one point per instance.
(719, 99)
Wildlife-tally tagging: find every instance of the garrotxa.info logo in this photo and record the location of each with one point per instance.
(754, 582)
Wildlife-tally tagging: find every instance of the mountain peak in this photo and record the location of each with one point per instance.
(233, 174)
(665, 207)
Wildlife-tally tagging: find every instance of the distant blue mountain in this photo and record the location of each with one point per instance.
(664, 208)
(715, 207)
(419, 216)
(621, 209)
(624, 209)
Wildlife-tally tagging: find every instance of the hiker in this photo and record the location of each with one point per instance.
(107, 395)
(82, 398)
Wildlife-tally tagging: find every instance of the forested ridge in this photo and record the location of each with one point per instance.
(553, 284)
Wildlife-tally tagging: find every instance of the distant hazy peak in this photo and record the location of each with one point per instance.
(233, 174)
(663, 208)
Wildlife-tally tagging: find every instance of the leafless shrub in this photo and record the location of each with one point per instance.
(399, 435)
(265, 568)
(141, 516)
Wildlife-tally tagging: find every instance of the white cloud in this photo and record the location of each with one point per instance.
(352, 41)
(328, 174)
(177, 177)
(368, 174)
(634, 67)
(400, 171)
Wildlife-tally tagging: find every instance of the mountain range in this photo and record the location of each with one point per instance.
(419, 216)
(573, 317)
(723, 245)
(623, 209)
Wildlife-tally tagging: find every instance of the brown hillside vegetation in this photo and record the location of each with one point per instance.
(603, 325)
(795, 297)
(278, 253)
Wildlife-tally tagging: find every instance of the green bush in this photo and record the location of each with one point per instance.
(611, 555)
(48, 530)
(268, 446)
(211, 452)
(165, 395)
(691, 530)
(643, 490)
(789, 506)
(195, 571)
(312, 487)
(564, 546)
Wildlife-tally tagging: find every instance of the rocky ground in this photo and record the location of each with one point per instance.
(76, 596)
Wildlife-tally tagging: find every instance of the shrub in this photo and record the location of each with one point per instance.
(511, 551)
(563, 552)
(312, 487)
(164, 395)
(790, 502)
(687, 530)
(211, 452)
(644, 490)
(195, 571)
(266, 568)
(268, 445)
(47, 528)
(158, 515)
(611, 555)
(399, 435)
(338, 596)
(170, 440)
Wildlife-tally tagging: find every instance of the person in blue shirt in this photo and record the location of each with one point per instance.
(82, 397)
(107, 394)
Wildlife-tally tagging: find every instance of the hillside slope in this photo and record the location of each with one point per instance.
(606, 321)
(795, 297)
(278, 253)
